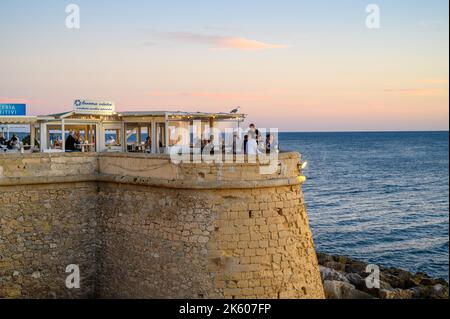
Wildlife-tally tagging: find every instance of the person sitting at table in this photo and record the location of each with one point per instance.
(58, 142)
(148, 144)
(2, 139)
(70, 142)
(78, 138)
(14, 143)
(111, 141)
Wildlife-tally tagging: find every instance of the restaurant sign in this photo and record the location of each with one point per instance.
(94, 107)
(13, 109)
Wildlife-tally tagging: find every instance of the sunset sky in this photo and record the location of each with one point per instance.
(294, 65)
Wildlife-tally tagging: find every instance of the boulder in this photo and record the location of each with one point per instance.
(392, 280)
(331, 274)
(342, 290)
(398, 278)
(341, 259)
(425, 281)
(416, 292)
(396, 294)
(335, 265)
(440, 291)
(376, 291)
(356, 280)
(323, 258)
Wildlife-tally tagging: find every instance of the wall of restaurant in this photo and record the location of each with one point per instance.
(140, 226)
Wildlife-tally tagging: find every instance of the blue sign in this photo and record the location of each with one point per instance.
(13, 109)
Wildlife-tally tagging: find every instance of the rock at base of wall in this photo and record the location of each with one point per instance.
(344, 278)
(343, 290)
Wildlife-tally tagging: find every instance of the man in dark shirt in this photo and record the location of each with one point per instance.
(70, 142)
(271, 145)
(245, 143)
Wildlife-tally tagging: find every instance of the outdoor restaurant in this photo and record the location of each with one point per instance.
(95, 126)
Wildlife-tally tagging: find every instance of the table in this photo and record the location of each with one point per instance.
(85, 147)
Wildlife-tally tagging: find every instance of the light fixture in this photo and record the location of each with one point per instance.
(304, 164)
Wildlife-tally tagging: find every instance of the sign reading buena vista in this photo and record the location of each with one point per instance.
(12, 109)
(94, 107)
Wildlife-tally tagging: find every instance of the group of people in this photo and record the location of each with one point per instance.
(254, 143)
(73, 140)
(12, 144)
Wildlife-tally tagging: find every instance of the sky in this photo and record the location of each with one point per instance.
(292, 65)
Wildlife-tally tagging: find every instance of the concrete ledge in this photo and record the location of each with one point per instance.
(199, 185)
(18, 181)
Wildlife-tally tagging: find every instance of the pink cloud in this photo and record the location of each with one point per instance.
(436, 81)
(245, 44)
(416, 91)
(223, 42)
(14, 100)
(212, 95)
(234, 96)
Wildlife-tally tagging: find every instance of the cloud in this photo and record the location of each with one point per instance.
(14, 100)
(416, 91)
(231, 96)
(226, 95)
(436, 81)
(217, 42)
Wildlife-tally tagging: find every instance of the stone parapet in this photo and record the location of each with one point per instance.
(145, 169)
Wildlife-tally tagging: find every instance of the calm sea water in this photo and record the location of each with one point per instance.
(379, 197)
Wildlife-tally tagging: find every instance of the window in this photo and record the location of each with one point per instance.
(54, 137)
(131, 137)
(112, 138)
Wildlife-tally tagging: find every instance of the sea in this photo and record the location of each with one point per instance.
(381, 197)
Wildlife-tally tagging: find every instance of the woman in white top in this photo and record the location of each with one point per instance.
(252, 146)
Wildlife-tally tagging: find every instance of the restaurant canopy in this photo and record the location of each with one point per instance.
(146, 131)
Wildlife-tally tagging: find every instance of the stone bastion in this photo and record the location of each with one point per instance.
(140, 226)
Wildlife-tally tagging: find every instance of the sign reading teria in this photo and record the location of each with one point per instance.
(13, 109)
(94, 107)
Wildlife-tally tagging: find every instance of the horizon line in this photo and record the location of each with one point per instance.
(372, 131)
